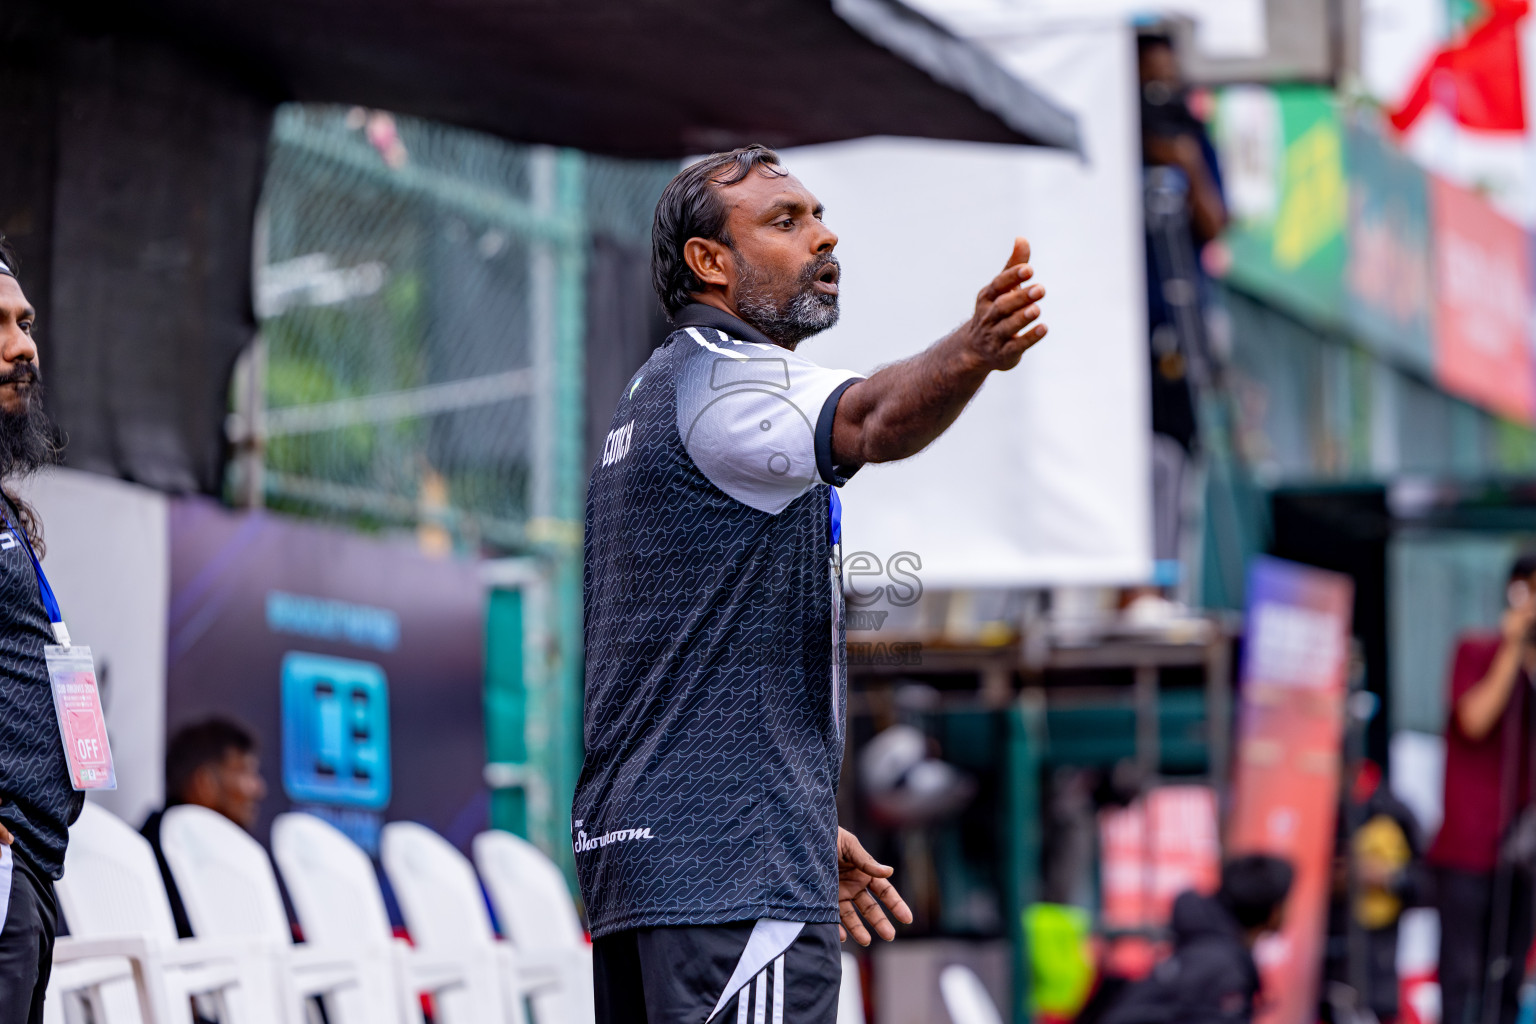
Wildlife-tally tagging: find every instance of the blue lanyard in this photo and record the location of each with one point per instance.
(835, 518)
(50, 603)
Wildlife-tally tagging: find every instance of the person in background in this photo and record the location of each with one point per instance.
(1185, 210)
(37, 801)
(1172, 136)
(1485, 900)
(1387, 851)
(214, 764)
(1211, 977)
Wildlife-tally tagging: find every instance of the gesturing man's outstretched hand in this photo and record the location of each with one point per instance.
(997, 334)
(861, 880)
(901, 408)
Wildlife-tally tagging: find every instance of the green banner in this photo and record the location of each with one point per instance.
(1389, 292)
(1282, 152)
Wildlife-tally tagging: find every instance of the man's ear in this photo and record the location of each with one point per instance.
(202, 787)
(710, 261)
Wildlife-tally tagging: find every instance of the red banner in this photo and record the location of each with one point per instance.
(1149, 852)
(1285, 794)
(1481, 348)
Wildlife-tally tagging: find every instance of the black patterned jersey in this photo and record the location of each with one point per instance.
(37, 802)
(714, 644)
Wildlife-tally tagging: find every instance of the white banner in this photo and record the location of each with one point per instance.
(1045, 479)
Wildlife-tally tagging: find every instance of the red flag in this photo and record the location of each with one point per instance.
(1477, 80)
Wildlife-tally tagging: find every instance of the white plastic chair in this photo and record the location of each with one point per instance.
(336, 895)
(230, 891)
(850, 995)
(966, 998)
(115, 902)
(106, 983)
(445, 913)
(539, 918)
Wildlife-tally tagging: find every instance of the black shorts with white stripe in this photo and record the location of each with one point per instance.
(747, 972)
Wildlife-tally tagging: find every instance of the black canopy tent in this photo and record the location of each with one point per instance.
(137, 130)
(643, 78)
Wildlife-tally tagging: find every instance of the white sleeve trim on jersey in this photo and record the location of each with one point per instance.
(694, 331)
(747, 414)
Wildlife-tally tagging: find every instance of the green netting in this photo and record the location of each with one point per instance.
(420, 291)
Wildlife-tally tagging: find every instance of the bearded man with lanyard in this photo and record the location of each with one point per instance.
(38, 801)
(705, 821)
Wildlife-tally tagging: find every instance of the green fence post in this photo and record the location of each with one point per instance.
(1021, 834)
(506, 740)
(570, 483)
(555, 529)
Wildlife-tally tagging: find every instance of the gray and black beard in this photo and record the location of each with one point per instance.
(792, 320)
(28, 439)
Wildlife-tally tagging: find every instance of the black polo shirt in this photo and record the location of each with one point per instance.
(37, 802)
(714, 639)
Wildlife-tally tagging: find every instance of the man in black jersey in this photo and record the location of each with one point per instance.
(37, 803)
(716, 880)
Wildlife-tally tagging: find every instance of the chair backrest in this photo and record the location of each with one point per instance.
(223, 875)
(111, 884)
(966, 998)
(528, 892)
(850, 995)
(439, 894)
(446, 915)
(331, 882)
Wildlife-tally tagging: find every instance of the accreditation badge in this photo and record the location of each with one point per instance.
(82, 726)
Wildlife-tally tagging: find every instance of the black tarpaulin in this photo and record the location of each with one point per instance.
(959, 64)
(129, 189)
(644, 78)
(157, 176)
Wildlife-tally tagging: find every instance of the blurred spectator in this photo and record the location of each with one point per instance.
(213, 764)
(37, 801)
(1387, 851)
(1211, 976)
(1482, 865)
(1185, 210)
(1172, 136)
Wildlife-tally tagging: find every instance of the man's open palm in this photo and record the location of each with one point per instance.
(864, 883)
(1000, 333)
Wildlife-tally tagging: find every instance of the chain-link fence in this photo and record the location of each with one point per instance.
(420, 291)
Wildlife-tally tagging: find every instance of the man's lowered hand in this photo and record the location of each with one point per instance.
(863, 883)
